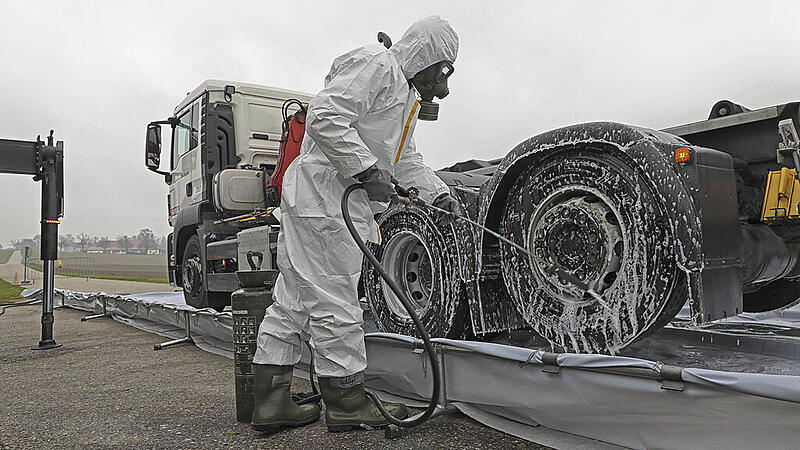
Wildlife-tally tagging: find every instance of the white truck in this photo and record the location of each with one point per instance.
(627, 224)
(225, 138)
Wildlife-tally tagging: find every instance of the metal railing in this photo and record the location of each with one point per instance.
(76, 266)
(69, 266)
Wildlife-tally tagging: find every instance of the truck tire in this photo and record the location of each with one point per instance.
(419, 250)
(194, 290)
(597, 217)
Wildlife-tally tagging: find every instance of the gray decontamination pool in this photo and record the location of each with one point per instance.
(729, 384)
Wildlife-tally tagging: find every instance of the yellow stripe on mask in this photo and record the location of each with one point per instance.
(405, 131)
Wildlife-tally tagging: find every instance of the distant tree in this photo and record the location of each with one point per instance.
(38, 240)
(69, 240)
(63, 242)
(147, 239)
(104, 243)
(16, 243)
(124, 242)
(84, 240)
(1, 245)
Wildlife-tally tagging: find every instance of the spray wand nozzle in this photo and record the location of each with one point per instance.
(407, 196)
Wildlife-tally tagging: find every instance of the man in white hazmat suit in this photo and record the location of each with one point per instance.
(359, 129)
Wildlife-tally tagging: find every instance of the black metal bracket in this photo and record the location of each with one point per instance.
(671, 379)
(46, 163)
(550, 361)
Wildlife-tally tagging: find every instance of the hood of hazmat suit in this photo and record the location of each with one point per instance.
(427, 42)
(365, 115)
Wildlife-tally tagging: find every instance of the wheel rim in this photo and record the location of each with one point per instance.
(192, 275)
(578, 231)
(407, 260)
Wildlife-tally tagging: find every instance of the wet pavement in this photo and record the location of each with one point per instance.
(106, 387)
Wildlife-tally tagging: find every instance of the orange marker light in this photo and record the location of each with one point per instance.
(683, 155)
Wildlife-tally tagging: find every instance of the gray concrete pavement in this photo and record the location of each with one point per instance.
(106, 387)
(15, 267)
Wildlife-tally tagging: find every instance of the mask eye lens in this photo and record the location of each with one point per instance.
(445, 71)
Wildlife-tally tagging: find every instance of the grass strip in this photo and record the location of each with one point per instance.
(100, 276)
(5, 253)
(9, 291)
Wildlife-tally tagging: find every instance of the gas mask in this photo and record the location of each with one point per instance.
(432, 82)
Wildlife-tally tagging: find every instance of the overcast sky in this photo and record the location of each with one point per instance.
(98, 72)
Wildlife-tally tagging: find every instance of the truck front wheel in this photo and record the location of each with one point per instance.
(194, 290)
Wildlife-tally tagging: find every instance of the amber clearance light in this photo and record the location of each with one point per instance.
(683, 155)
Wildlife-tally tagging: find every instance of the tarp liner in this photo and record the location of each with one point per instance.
(615, 399)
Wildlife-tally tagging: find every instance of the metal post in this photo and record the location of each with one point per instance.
(45, 163)
(52, 190)
(184, 340)
(25, 280)
(47, 341)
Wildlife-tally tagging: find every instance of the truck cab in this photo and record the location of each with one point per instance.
(224, 145)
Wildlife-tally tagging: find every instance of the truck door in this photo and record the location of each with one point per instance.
(187, 174)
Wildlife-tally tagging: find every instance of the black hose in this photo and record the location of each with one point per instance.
(311, 370)
(435, 368)
(315, 395)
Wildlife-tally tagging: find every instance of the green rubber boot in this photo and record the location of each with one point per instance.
(347, 406)
(274, 408)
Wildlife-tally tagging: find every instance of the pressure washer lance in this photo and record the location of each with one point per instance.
(410, 197)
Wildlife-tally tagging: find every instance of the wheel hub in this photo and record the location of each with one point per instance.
(192, 275)
(579, 233)
(407, 260)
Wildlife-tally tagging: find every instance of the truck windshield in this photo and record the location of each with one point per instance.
(184, 137)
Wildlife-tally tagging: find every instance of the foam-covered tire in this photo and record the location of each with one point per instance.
(646, 290)
(406, 234)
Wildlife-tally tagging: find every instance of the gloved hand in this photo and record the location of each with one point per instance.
(377, 182)
(448, 203)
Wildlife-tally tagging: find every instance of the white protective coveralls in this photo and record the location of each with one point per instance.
(365, 115)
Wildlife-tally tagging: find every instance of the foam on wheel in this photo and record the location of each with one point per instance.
(590, 215)
(419, 250)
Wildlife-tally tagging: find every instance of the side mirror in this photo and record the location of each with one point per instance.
(152, 149)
